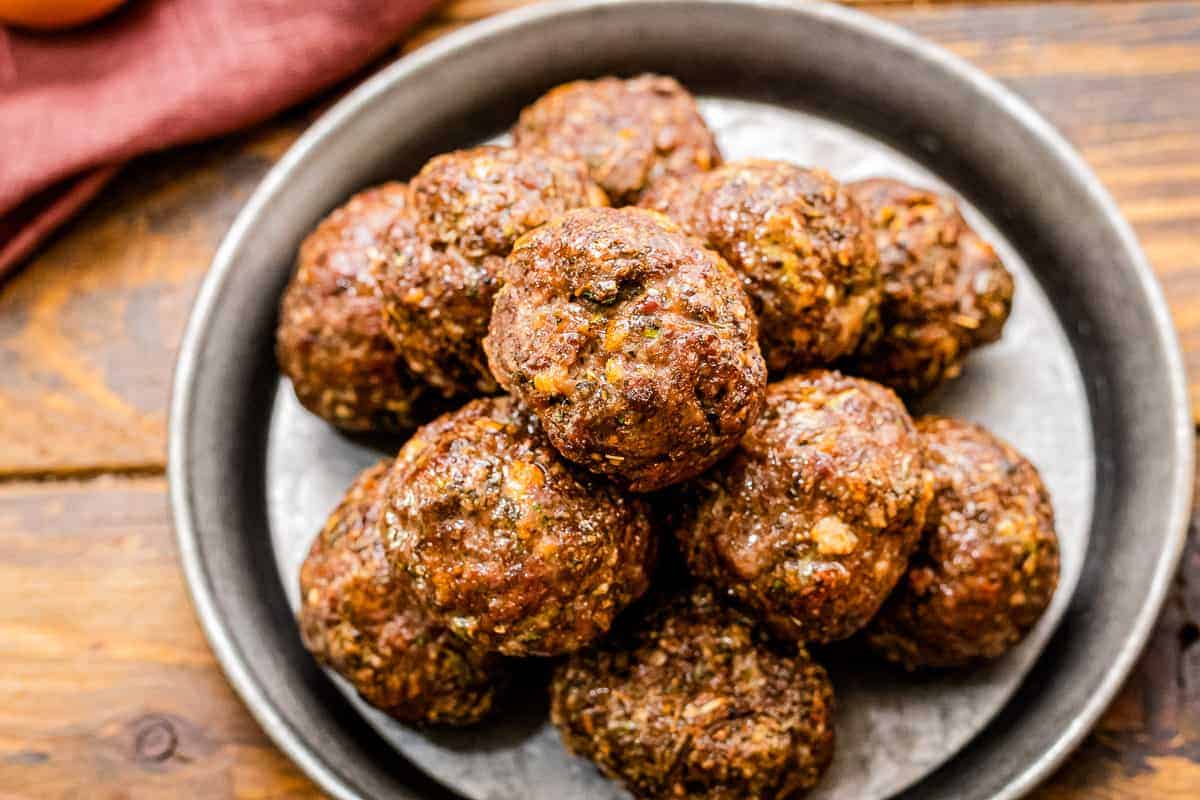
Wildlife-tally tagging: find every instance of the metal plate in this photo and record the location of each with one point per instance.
(1086, 381)
(892, 730)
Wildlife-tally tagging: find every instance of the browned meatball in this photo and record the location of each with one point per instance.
(437, 303)
(330, 341)
(483, 199)
(440, 271)
(355, 621)
(633, 343)
(630, 132)
(987, 565)
(803, 248)
(811, 521)
(695, 702)
(500, 539)
(944, 289)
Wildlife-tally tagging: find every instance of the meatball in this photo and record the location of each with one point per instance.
(944, 289)
(355, 621)
(695, 702)
(330, 341)
(437, 303)
(987, 565)
(630, 132)
(441, 268)
(483, 199)
(802, 246)
(501, 540)
(811, 521)
(633, 343)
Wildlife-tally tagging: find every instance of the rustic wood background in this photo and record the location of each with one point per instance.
(107, 686)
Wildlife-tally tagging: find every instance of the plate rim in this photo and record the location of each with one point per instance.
(952, 67)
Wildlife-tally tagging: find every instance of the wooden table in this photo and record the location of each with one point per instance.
(107, 686)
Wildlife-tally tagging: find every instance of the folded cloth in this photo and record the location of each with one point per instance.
(76, 104)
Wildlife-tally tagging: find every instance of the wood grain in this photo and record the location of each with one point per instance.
(88, 331)
(107, 687)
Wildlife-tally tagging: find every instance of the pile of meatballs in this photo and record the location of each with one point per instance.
(657, 435)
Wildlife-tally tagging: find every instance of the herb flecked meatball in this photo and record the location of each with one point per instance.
(812, 519)
(440, 271)
(504, 542)
(945, 291)
(330, 341)
(695, 702)
(987, 565)
(483, 199)
(629, 132)
(355, 621)
(633, 343)
(803, 247)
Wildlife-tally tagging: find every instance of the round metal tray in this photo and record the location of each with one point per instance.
(1087, 381)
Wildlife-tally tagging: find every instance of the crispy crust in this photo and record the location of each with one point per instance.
(694, 702)
(354, 620)
(441, 269)
(483, 199)
(633, 343)
(945, 291)
(330, 341)
(501, 540)
(629, 132)
(437, 303)
(802, 246)
(811, 521)
(988, 562)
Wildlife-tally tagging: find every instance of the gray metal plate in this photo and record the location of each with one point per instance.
(892, 730)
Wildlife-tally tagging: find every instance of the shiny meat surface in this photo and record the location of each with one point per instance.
(988, 561)
(802, 246)
(440, 269)
(483, 199)
(330, 341)
(633, 343)
(504, 542)
(354, 620)
(811, 521)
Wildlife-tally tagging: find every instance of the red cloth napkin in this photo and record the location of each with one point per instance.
(75, 105)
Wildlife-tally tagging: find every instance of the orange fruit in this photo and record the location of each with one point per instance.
(46, 15)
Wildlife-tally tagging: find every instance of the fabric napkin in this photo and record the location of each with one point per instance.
(74, 105)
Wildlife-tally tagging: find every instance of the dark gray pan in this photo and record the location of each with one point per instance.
(826, 62)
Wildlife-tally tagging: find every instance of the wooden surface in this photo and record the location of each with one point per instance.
(108, 688)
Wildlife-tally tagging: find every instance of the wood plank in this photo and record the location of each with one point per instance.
(472, 10)
(89, 330)
(107, 686)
